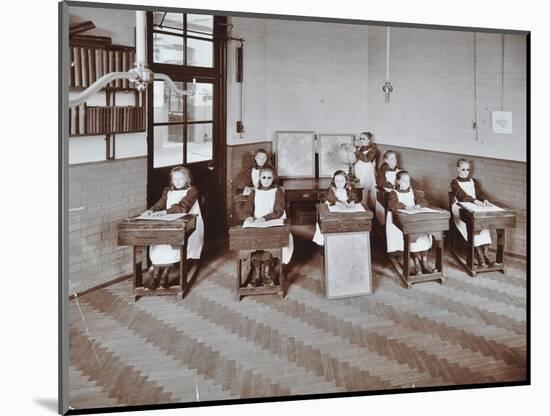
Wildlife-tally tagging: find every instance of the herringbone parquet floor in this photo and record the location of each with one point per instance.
(210, 347)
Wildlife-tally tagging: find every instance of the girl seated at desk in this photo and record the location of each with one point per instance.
(405, 197)
(339, 193)
(467, 189)
(365, 166)
(250, 179)
(267, 202)
(179, 197)
(386, 181)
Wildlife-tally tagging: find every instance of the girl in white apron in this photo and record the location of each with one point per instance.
(386, 181)
(365, 166)
(405, 197)
(339, 192)
(268, 203)
(467, 189)
(180, 197)
(251, 178)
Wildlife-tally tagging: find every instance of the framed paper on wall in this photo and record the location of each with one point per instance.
(295, 154)
(334, 154)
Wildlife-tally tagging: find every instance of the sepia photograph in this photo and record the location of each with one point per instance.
(271, 208)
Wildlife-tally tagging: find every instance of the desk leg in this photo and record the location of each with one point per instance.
(501, 239)
(239, 276)
(406, 259)
(183, 270)
(138, 269)
(439, 246)
(282, 282)
(470, 249)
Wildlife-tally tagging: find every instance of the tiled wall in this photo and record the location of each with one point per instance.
(100, 195)
(503, 180)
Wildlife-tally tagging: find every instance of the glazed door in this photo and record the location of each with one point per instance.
(188, 131)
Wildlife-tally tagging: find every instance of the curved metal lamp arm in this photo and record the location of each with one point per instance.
(99, 84)
(191, 89)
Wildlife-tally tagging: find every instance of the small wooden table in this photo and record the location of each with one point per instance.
(346, 266)
(248, 240)
(477, 221)
(412, 226)
(142, 233)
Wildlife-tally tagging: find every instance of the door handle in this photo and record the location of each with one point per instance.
(210, 167)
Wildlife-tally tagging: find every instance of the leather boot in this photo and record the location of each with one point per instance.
(480, 259)
(485, 249)
(426, 268)
(266, 266)
(151, 282)
(164, 281)
(417, 265)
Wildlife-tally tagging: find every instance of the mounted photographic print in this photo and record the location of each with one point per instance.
(210, 254)
(334, 153)
(295, 152)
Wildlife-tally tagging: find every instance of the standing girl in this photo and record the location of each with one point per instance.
(268, 203)
(467, 189)
(405, 197)
(365, 166)
(251, 179)
(340, 193)
(386, 180)
(179, 197)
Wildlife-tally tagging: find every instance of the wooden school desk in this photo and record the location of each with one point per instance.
(142, 233)
(412, 226)
(346, 264)
(475, 222)
(248, 240)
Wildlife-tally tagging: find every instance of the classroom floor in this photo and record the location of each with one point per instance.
(210, 347)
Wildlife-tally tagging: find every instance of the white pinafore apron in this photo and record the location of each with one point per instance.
(342, 196)
(484, 236)
(168, 254)
(264, 200)
(255, 175)
(365, 172)
(394, 236)
(380, 210)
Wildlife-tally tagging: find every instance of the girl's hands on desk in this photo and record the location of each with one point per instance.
(478, 203)
(148, 212)
(351, 204)
(158, 213)
(417, 206)
(261, 219)
(487, 203)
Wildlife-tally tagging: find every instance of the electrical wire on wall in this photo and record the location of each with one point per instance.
(475, 89)
(502, 76)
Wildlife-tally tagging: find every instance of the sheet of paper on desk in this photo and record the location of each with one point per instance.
(470, 206)
(356, 208)
(279, 222)
(167, 217)
(417, 210)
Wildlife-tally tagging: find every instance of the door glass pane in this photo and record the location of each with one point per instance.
(199, 142)
(168, 22)
(167, 105)
(200, 25)
(200, 53)
(199, 108)
(168, 145)
(167, 49)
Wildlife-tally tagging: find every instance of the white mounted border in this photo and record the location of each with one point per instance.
(295, 154)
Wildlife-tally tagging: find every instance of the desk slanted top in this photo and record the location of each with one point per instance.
(135, 232)
(489, 219)
(258, 238)
(343, 222)
(423, 222)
